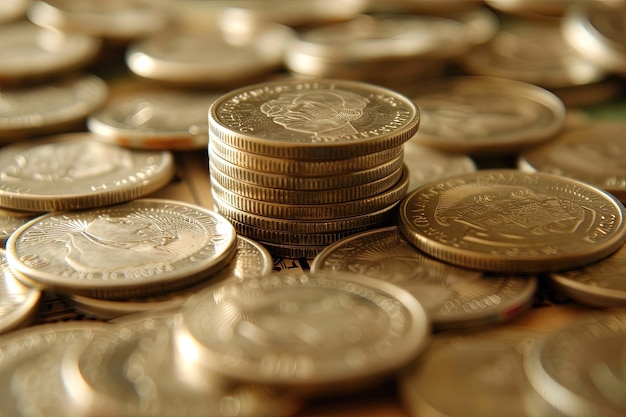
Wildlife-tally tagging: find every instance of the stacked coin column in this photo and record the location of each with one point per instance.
(297, 165)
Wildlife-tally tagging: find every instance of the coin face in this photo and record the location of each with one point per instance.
(140, 248)
(579, 368)
(313, 119)
(74, 171)
(510, 221)
(453, 297)
(477, 115)
(18, 301)
(594, 153)
(313, 331)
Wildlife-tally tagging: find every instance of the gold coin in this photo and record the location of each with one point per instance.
(313, 119)
(510, 221)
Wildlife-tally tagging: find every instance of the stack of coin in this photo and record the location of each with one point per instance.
(298, 165)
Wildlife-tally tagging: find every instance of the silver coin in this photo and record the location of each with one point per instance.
(74, 171)
(30, 368)
(116, 20)
(49, 107)
(29, 52)
(158, 119)
(211, 56)
(453, 297)
(141, 248)
(11, 220)
(313, 332)
(18, 301)
(579, 368)
(252, 260)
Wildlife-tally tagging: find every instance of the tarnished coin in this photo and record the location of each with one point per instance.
(130, 370)
(30, 368)
(49, 107)
(600, 284)
(579, 369)
(596, 31)
(535, 52)
(116, 20)
(17, 300)
(252, 260)
(484, 370)
(426, 164)
(479, 115)
(211, 56)
(29, 52)
(141, 248)
(11, 220)
(511, 221)
(594, 152)
(75, 171)
(453, 297)
(159, 119)
(309, 332)
(313, 119)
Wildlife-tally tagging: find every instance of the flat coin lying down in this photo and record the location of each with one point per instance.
(510, 221)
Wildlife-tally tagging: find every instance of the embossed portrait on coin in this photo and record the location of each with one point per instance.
(133, 241)
(509, 214)
(67, 162)
(324, 113)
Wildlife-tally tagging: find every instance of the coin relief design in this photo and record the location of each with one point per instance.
(510, 221)
(145, 241)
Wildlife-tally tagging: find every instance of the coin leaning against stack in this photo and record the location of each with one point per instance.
(298, 164)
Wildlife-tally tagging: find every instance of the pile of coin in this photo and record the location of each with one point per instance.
(297, 165)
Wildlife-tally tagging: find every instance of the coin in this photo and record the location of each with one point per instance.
(116, 20)
(486, 115)
(510, 221)
(595, 30)
(49, 107)
(141, 248)
(130, 370)
(535, 52)
(303, 182)
(31, 53)
(313, 211)
(252, 260)
(599, 284)
(483, 369)
(591, 153)
(426, 164)
(579, 368)
(30, 368)
(74, 171)
(300, 167)
(212, 56)
(18, 301)
(313, 119)
(453, 297)
(11, 10)
(158, 119)
(309, 332)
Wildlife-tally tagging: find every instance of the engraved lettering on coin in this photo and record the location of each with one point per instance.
(326, 113)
